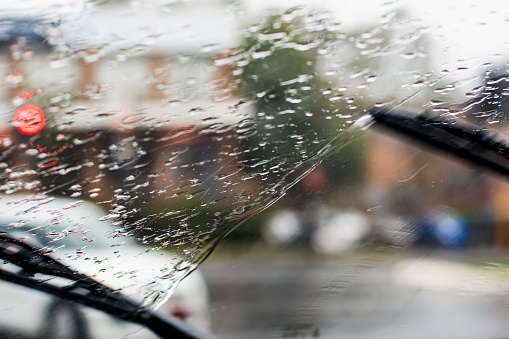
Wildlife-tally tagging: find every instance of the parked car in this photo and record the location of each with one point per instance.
(79, 236)
(328, 230)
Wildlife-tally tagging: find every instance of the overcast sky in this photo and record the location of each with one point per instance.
(465, 33)
(465, 29)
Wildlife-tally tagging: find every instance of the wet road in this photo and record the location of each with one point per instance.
(407, 298)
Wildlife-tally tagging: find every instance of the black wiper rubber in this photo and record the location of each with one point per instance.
(479, 146)
(84, 290)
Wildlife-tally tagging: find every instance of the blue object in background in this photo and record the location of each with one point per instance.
(451, 231)
(444, 230)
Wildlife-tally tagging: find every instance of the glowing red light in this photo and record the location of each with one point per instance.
(27, 95)
(29, 120)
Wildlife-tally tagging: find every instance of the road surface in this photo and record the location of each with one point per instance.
(413, 296)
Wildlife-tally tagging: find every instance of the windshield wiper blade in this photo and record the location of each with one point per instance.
(82, 289)
(477, 145)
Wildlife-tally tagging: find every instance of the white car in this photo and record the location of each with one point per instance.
(81, 237)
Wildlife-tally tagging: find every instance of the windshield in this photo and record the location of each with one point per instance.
(137, 136)
(50, 222)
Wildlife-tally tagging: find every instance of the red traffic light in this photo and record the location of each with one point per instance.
(29, 119)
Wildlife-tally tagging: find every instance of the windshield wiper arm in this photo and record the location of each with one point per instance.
(475, 144)
(83, 289)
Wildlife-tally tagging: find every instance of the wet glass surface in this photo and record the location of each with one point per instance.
(136, 136)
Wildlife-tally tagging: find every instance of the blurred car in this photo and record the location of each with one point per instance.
(443, 229)
(342, 231)
(329, 230)
(79, 236)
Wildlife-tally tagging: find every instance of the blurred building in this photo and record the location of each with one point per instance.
(141, 101)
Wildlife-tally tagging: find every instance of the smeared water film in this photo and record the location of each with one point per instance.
(167, 124)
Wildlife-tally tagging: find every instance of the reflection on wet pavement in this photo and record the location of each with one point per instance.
(409, 296)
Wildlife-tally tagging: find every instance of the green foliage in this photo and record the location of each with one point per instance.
(296, 113)
(281, 56)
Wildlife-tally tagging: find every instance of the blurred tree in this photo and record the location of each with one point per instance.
(281, 73)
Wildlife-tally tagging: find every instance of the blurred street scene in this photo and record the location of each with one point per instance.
(373, 294)
(230, 138)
